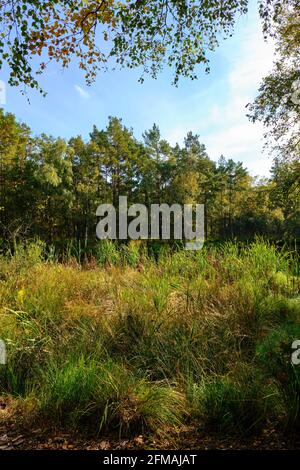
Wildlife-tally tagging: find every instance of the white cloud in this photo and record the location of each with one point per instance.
(252, 62)
(235, 136)
(218, 114)
(240, 141)
(82, 93)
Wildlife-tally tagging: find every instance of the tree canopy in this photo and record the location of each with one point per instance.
(278, 102)
(51, 188)
(133, 33)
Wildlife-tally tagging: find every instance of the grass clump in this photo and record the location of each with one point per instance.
(107, 253)
(102, 395)
(275, 356)
(238, 403)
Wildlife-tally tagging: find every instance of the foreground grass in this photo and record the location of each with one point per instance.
(136, 345)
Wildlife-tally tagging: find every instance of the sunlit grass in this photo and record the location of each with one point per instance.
(143, 343)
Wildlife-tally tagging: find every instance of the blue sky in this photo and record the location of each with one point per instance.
(212, 106)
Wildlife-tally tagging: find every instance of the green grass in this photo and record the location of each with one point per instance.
(239, 403)
(141, 342)
(85, 391)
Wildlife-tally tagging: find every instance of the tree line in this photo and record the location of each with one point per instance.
(50, 187)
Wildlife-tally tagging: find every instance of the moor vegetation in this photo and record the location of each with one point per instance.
(126, 343)
(118, 338)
